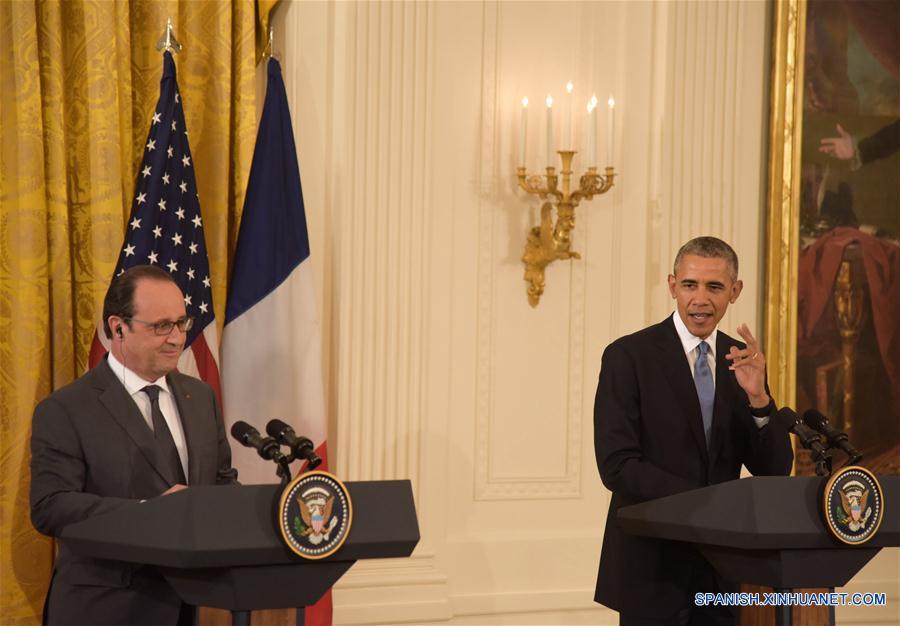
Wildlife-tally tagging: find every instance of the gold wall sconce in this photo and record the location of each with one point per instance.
(550, 240)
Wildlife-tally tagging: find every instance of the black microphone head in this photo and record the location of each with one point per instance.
(277, 428)
(814, 419)
(786, 418)
(268, 449)
(242, 431)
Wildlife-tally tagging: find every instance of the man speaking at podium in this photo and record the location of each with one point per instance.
(680, 405)
(130, 429)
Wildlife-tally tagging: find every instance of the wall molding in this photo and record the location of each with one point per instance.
(489, 486)
(382, 262)
(704, 187)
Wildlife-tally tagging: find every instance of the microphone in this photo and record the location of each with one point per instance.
(836, 438)
(301, 447)
(791, 422)
(248, 436)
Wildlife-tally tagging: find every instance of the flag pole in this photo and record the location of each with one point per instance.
(168, 41)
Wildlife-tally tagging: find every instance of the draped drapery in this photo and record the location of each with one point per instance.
(877, 22)
(78, 79)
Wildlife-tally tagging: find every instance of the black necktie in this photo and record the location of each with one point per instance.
(164, 439)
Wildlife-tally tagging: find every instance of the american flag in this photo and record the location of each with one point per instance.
(165, 229)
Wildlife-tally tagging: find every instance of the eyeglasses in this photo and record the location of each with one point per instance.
(165, 327)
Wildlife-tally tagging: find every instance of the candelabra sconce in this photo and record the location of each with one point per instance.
(550, 241)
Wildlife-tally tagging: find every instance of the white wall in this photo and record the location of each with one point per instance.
(406, 117)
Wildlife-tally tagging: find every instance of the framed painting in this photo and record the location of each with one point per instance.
(833, 227)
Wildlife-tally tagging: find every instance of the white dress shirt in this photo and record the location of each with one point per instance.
(134, 384)
(691, 344)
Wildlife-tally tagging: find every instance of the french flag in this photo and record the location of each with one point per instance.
(271, 347)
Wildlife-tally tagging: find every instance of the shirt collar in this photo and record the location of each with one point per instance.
(690, 342)
(132, 382)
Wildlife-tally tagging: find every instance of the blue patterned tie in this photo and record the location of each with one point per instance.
(706, 388)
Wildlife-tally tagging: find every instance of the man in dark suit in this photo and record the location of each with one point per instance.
(130, 429)
(680, 405)
(879, 145)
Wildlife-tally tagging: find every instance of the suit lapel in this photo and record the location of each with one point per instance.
(115, 398)
(678, 372)
(188, 407)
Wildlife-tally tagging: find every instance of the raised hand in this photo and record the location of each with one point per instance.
(840, 147)
(749, 367)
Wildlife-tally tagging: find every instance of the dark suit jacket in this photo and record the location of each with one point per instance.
(881, 144)
(649, 442)
(92, 452)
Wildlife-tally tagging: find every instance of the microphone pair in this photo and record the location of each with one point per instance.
(810, 429)
(834, 437)
(280, 434)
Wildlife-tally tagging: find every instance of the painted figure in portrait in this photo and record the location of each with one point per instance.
(848, 352)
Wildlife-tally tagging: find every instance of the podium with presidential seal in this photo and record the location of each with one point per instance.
(244, 548)
(780, 531)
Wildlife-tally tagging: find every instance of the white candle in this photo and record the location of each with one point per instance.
(611, 130)
(567, 132)
(592, 133)
(550, 160)
(524, 132)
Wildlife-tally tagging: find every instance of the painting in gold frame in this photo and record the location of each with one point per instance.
(833, 226)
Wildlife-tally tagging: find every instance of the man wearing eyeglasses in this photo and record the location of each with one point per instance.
(131, 429)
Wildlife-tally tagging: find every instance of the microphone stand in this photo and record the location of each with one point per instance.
(284, 470)
(823, 462)
(812, 442)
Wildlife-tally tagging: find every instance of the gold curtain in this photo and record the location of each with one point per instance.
(78, 81)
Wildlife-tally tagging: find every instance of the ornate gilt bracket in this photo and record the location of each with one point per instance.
(850, 310)
(550, 241)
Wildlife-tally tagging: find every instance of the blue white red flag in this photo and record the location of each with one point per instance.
(271, 346)
(165, 229)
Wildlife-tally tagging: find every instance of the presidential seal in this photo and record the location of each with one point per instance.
(853, 505)
(314, 515)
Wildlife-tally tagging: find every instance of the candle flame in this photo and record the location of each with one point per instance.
(569, 87)
(525, 102)
(549, 101)
(591, 105)
(611, 102)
